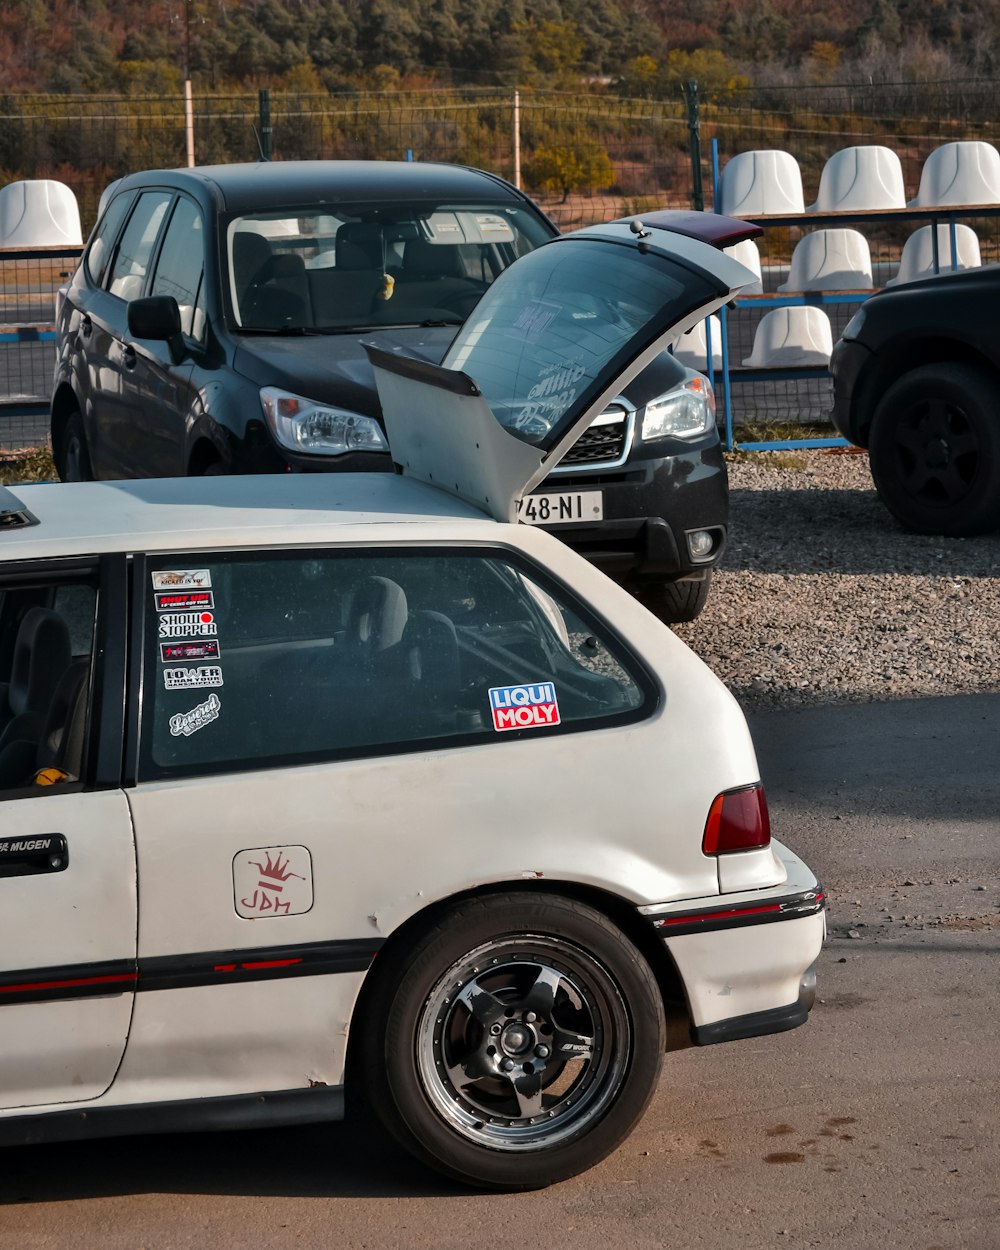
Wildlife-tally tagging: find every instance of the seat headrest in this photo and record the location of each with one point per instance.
(41, 656)
(359, 245)
(378, 613)
(424, 259)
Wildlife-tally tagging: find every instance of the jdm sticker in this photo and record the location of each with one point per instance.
(171, 652)
(182, 579)
(181, 600)
(524, 707)
(188, 625)
(203, 677)
(273, 881)
(188, 723)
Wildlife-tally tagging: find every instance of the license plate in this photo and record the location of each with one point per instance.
(577, 505)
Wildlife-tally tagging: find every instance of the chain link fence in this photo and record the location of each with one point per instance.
(586, 157)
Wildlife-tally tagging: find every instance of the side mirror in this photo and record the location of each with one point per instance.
(157, 317)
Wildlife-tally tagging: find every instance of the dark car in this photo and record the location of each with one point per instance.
(216, 322)
(917, 381)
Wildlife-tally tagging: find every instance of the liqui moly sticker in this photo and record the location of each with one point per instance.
(181, 600)
(188, 723)
(201, 678)
(524, 707)
(188, 625)
(172, 652)
(182, 579)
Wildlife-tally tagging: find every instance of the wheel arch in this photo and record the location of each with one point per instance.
(893, 360)
(614, 908)
(62, 405)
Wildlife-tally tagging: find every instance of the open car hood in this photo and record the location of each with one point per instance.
(556, 337)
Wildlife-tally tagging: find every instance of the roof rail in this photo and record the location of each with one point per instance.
(13, 513)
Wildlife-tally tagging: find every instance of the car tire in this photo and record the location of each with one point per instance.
(934, 450)
(676, 602)
(72, 456)
(468, 1055)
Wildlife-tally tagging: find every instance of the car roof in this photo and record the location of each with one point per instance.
(80, 518)
(273, 184)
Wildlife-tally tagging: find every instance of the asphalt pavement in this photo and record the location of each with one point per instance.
(874, 1127)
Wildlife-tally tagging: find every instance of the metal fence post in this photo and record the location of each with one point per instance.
(517, 140)
(266, 131)
(694, 135)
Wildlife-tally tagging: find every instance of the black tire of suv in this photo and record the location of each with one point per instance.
(675, 602)
(934, 450)
(549, 968)
(72, 455)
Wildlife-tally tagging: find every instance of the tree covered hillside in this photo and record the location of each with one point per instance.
(73, 46)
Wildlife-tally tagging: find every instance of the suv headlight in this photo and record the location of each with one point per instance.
(321, 429)
(685, 412)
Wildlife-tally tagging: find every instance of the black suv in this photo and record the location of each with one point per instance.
(216, 321)
(917, 381)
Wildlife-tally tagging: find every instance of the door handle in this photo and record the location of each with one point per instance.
(33, 854)
(128, 355)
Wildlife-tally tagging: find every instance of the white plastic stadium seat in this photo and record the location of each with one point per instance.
(748, 255)
(790, 338)
(917, 259)
(691, 349)
(39, 213)
(830, 260)
(861, 178)
(960, 173)
(766, 181)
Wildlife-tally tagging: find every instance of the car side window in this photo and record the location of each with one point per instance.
(101, 245)
(254, 662)
(46, 656)
(131, 263)
(181, 265)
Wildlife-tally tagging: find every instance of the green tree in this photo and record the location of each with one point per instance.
(582, 167)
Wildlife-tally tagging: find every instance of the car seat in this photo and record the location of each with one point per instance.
(60, 742)
(41, 655)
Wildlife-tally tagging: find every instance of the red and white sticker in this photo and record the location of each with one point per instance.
(524, 707)
(272, 881)
(180, 600)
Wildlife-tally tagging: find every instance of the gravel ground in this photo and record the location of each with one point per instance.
(822, 598)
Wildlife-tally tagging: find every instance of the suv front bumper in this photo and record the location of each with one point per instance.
(650, 507)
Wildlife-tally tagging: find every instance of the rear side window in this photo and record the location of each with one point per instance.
(101, 245)
(131, 264)
(181, 265)
(310, 655)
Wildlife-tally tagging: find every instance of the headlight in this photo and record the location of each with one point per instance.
(321, 429)
(853, 327)
(685, 412)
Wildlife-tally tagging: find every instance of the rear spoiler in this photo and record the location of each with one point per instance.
(711, 228)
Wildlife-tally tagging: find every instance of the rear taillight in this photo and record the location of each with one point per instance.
(737, 821)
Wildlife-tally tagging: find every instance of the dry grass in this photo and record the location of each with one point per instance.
(31, 464)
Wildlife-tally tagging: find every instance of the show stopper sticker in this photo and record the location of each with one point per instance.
(188, 723)
(188, 625)
(524, 707)
(182, 579)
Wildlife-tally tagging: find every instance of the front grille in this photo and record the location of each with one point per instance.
(602, 442)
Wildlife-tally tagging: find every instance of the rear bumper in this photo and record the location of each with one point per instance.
(747, 965)
(849, 358)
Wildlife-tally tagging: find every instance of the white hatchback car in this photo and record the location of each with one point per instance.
(329, 781)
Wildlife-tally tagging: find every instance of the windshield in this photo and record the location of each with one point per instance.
(295, 270)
